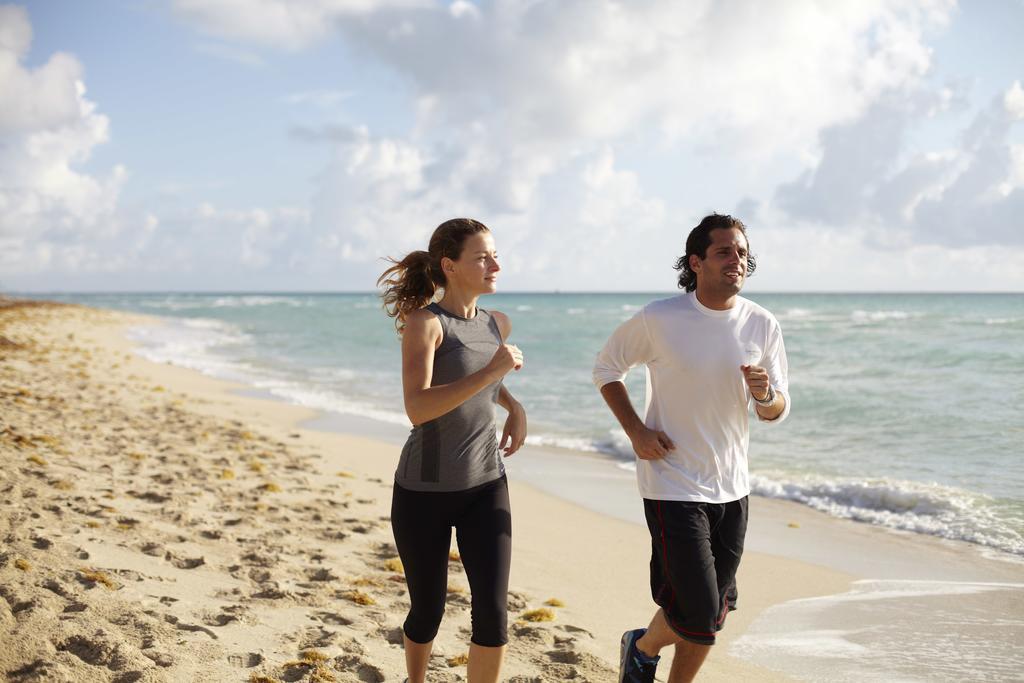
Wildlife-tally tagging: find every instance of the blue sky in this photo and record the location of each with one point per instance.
(276, 145)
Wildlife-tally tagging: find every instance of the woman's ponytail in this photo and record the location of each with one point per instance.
(410, 284)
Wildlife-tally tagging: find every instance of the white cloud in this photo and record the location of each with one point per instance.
(1013, 101)
(41, 98)
(562, 72)
(1016, 179)
(374, 199)
(816, 258)
(614, 200)
(383, 197)
(512, 98)
(518, 112)
(49, 212)
(464, 8)
(968, 195)
(532, 115)
(757, 79)
(254, 238)
(205, 246)
(287, 24)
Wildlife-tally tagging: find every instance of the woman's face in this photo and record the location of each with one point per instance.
(477, 268)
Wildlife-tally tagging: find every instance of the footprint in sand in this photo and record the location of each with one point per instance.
(569, 628)
(130, 575)
(257, 575)
(316, 636)
(219, 619)
(184, 562)
(568, 665)
(385, 550)
(161, 659)
(321, 574)
(332, 618)
(356, 664)
(392, 635)
(246, 661)
(260, 559)
(154, 549)
(227, 615)
(457, 599)
(538, 635)
(564, 656)
(516, 602)
(102, 651)
(57, 587)
(181, 626)
(271, 592)
(40, 670)
(150, 496)
(16, 603)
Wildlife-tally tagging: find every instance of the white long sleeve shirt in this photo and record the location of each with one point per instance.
(696, 392)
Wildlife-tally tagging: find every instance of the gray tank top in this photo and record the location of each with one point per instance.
(458, 450)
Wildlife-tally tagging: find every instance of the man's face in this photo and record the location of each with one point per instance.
(724, 267)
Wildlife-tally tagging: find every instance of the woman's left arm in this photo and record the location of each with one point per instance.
(514, 433)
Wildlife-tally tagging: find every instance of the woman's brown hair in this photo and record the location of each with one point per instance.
(411, 283)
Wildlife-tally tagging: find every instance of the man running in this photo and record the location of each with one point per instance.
(709, 354)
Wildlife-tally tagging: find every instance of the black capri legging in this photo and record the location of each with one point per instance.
(422, 523)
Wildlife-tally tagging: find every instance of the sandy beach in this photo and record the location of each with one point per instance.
(161, 525)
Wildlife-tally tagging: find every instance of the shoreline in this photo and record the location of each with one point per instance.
(794, 553)
(535, 563)
(982, 510)
(545, 467)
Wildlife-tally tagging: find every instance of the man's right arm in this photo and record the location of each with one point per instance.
(629, 346)
(648, 444)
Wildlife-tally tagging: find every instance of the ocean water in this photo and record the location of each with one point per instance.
(908, 409)
(892, 630)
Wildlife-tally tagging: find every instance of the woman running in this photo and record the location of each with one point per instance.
(451, 474)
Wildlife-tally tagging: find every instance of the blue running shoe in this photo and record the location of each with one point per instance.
(635, 666)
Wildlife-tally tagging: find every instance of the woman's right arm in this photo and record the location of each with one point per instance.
(420, 338)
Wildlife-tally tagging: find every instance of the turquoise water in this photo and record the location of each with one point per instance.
(908, 409)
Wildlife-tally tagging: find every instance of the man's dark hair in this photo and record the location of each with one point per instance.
(698, 242)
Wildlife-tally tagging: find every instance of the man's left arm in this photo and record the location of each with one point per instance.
(769, 382)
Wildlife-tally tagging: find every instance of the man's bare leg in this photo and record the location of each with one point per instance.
(687, 661)
(689, 656)
(659, 635)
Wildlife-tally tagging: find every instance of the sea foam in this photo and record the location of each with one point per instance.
(924, 508)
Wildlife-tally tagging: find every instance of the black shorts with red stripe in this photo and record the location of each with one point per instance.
(695, 551)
